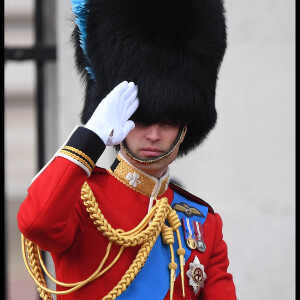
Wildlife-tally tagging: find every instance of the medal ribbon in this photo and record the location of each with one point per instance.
(187, 228)
(198, 230)
(184, 227)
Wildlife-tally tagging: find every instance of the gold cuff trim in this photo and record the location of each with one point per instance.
(81, 154)
(81, 157)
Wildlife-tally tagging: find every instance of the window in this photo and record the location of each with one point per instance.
(29, 49)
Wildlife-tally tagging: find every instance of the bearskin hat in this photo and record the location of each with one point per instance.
(171, 49)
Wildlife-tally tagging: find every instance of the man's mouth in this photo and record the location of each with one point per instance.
(150, 152)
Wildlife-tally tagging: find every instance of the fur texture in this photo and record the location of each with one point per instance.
(172, 49)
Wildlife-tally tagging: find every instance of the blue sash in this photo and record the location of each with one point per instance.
(153, 281)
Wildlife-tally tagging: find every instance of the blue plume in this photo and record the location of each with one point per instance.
(80, 11)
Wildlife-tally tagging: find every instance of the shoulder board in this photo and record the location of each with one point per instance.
(190, 196)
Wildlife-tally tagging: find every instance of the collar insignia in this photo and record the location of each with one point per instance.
(187, 210)
(196, 275)
(137, 180)
(133, 178)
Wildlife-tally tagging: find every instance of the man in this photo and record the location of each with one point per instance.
(127, 232)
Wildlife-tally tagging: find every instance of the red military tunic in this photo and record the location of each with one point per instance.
(54, 217)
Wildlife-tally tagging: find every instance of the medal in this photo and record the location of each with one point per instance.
(201, 246)
(192, 244)
(196, 275)
(199, 236)
(188, 234)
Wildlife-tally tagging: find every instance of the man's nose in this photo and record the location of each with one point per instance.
(153, 132)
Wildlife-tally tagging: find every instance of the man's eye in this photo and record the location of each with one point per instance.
(168, 122)
(140, 125)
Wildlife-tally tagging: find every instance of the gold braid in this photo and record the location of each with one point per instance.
(36, 267)
(144, 235)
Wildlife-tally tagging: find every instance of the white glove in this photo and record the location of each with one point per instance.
(110, 121)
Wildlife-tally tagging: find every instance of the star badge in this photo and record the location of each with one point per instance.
(196, 275)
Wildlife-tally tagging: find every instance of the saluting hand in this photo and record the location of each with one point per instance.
(110, 121)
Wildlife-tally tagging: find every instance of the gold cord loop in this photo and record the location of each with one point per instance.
(143, 234)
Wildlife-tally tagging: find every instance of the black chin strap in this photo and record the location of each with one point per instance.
(157, 159)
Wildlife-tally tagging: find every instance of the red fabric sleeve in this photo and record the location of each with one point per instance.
(219, 283)
(51, 213)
